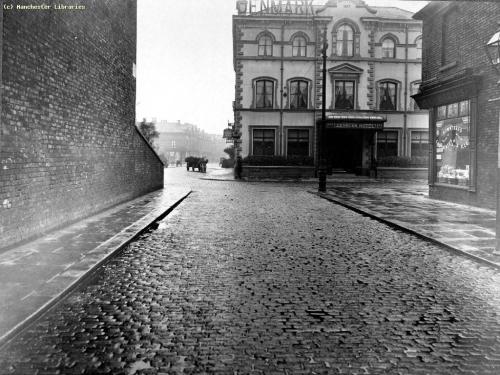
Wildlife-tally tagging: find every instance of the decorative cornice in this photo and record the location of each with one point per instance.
(333, 58)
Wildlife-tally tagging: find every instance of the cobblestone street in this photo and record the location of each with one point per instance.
(267, 278)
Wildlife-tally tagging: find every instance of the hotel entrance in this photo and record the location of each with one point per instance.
(345, 150)
(349, 142)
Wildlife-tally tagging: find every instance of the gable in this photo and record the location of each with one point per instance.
(345, 68)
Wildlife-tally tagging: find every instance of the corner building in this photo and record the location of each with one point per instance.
(373, 66)
(460, 90)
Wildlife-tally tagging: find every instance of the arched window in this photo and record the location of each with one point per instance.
(345, 41)
(299, 90)
(299, 45)
(265, 45)
(388, 48)
(388, 95)
(264, 93)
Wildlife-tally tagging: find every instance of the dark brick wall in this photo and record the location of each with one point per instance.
(475, 22)
(69, 146)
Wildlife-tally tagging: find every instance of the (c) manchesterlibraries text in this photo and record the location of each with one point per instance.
(43, 7)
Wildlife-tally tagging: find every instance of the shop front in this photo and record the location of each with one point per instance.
(454, 115)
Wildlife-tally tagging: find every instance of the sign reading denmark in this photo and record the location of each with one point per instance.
(299, 7)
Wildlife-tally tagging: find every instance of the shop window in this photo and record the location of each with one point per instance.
(264, 93)
(387, 144)
(299, 94)
(419, 143)
(265, 46)
(345, 41)
(388, 48)
(387, 96)
(263, 142)
(299, 45)
(452, 144)
(344, 94)
(298, 142)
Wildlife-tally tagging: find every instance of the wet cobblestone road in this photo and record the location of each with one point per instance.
(266, 278)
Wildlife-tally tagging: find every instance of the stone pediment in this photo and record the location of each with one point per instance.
(345, 69)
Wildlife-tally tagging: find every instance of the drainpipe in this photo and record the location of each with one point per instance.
(405, 115)
(281, 87)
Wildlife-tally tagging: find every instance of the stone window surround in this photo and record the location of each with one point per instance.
(398, 139)
(308, 128)
(396, 42)
(356, 37)
(251, 128)
(299, 34)
(254, 91)
(263, 34)
(344, 76)
(309, 93)
(398, 93)
(410, 131)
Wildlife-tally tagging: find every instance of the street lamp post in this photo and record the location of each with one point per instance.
(322, 123)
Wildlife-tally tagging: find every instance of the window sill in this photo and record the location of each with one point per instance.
(458, 187)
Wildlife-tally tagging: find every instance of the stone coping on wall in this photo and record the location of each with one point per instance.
(280, 172)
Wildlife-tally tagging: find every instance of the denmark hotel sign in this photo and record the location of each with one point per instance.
(299, 7)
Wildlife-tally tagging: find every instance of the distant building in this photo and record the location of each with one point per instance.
(373, 64)
(459, 87)
(177, 140)
(68, 144)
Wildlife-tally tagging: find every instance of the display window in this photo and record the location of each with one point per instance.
(452, 144)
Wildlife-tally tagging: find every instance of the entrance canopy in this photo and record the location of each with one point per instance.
(355, 121)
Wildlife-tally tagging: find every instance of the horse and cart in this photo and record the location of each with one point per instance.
(200, 163)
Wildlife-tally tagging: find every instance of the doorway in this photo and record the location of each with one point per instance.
(344, 150)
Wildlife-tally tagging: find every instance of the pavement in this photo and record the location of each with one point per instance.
(34, 276)
(267, 278)
(405, 204)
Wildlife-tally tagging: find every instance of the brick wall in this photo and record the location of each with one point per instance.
(474, 23)
(68, 142)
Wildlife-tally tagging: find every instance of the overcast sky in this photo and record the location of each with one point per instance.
(184, 59)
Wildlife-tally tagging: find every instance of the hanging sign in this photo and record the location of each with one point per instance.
(228, 133)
